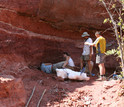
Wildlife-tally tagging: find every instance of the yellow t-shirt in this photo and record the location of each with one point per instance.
(100, 44)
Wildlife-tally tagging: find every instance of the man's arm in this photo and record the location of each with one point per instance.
(91, 44)
(65, 63)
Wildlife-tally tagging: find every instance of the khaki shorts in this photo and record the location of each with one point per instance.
(85, 57)
(100, 58)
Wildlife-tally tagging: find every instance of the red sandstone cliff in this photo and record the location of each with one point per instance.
(33, 27)
(36, 31)
(63, 14)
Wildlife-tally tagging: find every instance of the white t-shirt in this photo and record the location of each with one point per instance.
(86, 49)
(71, 62)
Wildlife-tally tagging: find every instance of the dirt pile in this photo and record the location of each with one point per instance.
(73, 93)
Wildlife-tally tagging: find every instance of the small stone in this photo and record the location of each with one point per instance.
(48, 104)
(74, 99)
(103, 98)
(69, 102)
(87, 103)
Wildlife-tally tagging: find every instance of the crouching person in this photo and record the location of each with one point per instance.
(69, 63)
(51, 68)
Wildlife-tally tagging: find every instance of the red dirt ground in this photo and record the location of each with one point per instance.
(71, 93)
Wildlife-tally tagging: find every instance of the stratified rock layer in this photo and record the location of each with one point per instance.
(61, 14)
(30, 28)
(33, 48)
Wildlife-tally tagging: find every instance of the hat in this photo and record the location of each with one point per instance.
(85, 34)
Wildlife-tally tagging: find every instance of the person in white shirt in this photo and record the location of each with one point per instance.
(68, 62)
(51, 68)
(87, 52)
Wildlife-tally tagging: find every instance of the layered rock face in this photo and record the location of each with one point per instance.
(34, 48)
(36, 31)
(72, 15)
(29, 28)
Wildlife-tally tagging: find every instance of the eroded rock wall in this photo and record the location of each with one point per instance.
(41, 30)
(34, 48)
(72, 15)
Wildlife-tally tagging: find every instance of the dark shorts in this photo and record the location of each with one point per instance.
(85, 57)
(57, 65)
(100, 58)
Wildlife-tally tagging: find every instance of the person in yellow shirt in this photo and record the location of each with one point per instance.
(100, 44)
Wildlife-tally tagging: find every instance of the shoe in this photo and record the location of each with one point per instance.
(92, 74)
(38, 68)
(99, 79)
(104, 78)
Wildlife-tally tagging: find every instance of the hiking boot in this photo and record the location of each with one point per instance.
(101, 78)
(38, 68)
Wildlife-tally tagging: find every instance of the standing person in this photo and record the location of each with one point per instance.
(87, 52)
(100, 44)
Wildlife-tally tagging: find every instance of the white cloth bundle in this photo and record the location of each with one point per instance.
(68, 73)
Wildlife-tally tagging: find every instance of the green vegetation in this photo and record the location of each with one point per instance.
(115, 10)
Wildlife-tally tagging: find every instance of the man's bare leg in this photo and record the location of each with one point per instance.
(102, 71)
(89, 66)
(81, 64)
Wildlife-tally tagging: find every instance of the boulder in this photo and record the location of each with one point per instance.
(111, 61)
(12, 92)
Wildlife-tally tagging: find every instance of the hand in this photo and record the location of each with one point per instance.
(63, 67)
(86, 43)
(90, 56)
